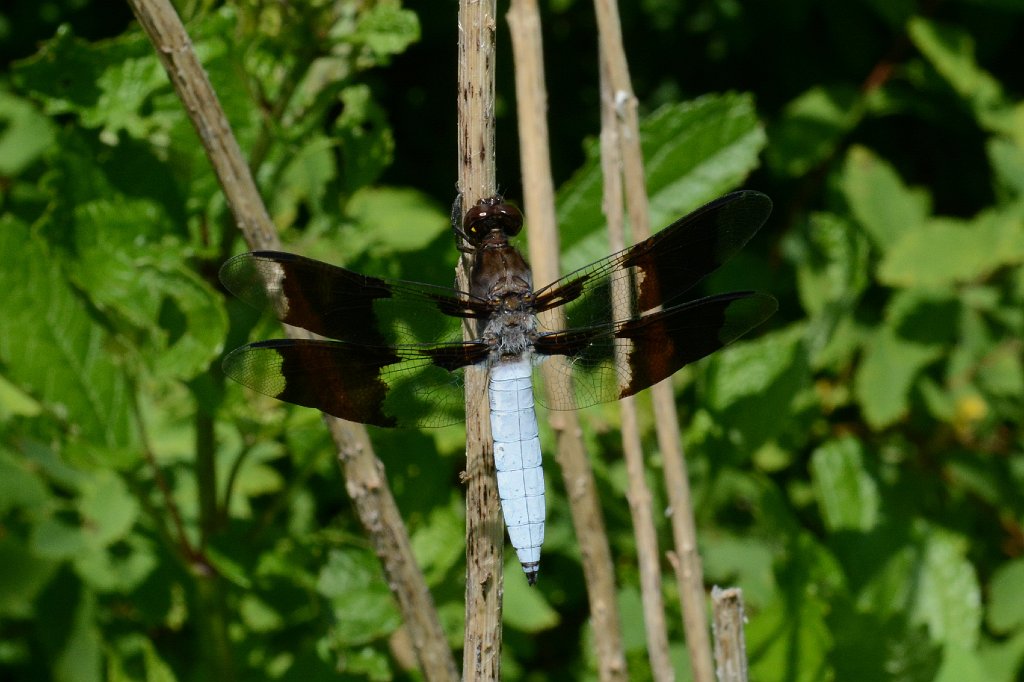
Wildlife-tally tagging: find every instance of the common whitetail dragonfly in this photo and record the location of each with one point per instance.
(374, 368)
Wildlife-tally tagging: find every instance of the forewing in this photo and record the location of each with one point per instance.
(399, 386)
(612, 361)
(345, 305)
(656, 271)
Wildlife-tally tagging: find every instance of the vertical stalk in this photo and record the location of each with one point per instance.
(689, 572)
(485, 532)
(538, 194)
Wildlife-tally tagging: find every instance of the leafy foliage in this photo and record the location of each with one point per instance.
(858, 467)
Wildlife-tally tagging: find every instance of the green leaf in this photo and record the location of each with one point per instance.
(847, 494)
(107, 509)
(960, 663)
(886, 374)
(53, 538)
(25, 574)
(364, 609)
(525, 608)
(387, 29)
(396, 220)
(950, 50)
(811, 128)
(1005, 596)
(131, 652)
(20, 484)
(50, 345)
(693, 152)
(747, 376)
(81, 658)
(106, 84)
(120, 569)
(24, 134)
(884, 206)
(948, 597)
(944, 251)
(440, 543)
(148, 285)
(740, 560)
(1006, 156)
(789, 641)
(1003, 658)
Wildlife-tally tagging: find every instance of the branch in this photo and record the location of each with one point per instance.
(364, 474)
(538, 195)
(689, 575)
(485, 533)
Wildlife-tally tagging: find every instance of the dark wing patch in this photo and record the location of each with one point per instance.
(381, 386)
(345, 305)
(658, 270)
(612, 361)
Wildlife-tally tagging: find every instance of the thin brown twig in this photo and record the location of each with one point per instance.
(485, 533)
(638, 494)
(690, 574)
(538, 195)
(364, 474)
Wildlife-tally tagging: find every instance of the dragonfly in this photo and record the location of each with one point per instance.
(392, 352)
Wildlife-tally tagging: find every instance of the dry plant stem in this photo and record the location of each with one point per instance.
(730, 643)
(638, 494)
(364, 474)
(538, 195)
(485, 533)
(689, 573)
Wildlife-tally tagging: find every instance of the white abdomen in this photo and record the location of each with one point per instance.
(517, 459)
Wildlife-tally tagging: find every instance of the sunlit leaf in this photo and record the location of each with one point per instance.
(847, 494)
(943, 251)
(50, 345)
(880, 201)
(694, 152)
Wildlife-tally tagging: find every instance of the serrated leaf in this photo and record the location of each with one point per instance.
(132, 276)
(51, 346)
(847, 494)
(694, 152)
(944, 251)
(388, 29)
(882, 204)
(106, 84)
(1005, 596)
(811, 127)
